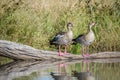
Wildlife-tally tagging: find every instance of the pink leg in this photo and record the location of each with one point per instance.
(84, 56)
(86, 63)
(60, 53)
(65, 52)
(87, 53)
(61, 65)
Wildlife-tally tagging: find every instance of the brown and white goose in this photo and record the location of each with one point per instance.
(86, 39)
(63, 38)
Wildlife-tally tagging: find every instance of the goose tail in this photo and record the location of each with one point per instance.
(74, 41)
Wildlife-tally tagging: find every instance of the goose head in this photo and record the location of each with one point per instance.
(91, 24)
(69, 25)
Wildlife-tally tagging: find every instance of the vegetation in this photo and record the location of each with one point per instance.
(35, 22)
(4, 60)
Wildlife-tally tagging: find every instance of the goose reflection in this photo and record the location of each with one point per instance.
(61, 75)
(85, 73)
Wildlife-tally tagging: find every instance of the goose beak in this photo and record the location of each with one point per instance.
(70, 24)
(92, 23)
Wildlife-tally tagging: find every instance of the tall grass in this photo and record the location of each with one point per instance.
(35, 22)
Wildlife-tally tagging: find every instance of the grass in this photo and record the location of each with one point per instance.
(4, 60)
(36, 22)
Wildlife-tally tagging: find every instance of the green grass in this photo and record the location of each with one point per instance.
(4, 60)
(36, 22)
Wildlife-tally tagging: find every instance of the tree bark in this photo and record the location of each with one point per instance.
(18, 51)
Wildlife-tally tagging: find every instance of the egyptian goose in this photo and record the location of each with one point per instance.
(86, 39)
(63, 38)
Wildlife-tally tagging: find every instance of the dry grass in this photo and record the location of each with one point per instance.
(35, 22)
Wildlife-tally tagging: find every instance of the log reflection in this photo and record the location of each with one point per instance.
(23, 68)
(97, 67)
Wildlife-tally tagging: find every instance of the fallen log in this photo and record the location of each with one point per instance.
(19, 51)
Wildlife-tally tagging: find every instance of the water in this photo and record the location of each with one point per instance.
(64, 70)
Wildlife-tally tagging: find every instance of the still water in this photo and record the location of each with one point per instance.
(64, 70)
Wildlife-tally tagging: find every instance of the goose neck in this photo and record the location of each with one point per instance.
(89, 29)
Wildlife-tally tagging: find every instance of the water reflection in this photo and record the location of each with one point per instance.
(85, 73)
(62, 73)
(72, 70)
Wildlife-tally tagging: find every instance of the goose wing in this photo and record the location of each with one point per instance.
(78, 39)
(58, 37)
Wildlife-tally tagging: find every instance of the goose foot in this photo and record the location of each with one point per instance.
(61, 54)
(66, 53)
(87, 55)
(86, 61)
(61, 65)
(84, 55)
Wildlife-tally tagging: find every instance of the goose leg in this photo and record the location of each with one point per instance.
(60, 53)
(65, 52)
(84, 56)
(87, 52)
(60, 66)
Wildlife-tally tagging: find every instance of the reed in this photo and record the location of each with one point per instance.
(35, 22)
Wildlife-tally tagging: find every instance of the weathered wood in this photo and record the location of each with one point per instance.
(18, 51)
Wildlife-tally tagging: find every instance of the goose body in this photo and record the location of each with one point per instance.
(63, 38)
(86, 39)
(83, 75)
